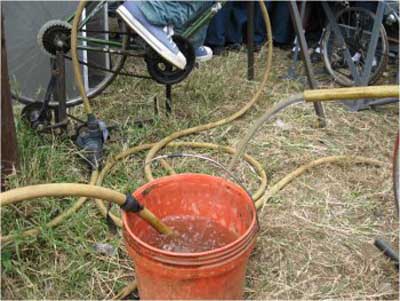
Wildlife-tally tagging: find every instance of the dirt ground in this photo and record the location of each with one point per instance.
(316, 234)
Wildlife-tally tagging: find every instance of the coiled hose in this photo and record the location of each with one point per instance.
(97, 177)
(166, 142)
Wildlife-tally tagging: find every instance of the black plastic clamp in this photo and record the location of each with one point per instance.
(131, 204)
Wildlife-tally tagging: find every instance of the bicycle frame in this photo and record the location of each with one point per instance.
(192, 28)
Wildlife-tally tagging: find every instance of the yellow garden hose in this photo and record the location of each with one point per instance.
(99, 194)
(81, 190)
(61, 190)
(153, 151)
(274, 189)
(312, 96)
(55, 221)
(158, 146)
(75, 59)
(113, 161)
(98, 177)
(351, 93)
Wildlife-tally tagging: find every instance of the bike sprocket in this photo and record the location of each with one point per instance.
(164, 72)
(54, 36)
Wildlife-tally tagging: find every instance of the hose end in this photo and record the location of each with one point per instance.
(131, 204)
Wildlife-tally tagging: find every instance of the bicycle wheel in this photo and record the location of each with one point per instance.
(355, 24)
(30, 30)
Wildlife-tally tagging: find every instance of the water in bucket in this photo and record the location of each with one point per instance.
(192, 234)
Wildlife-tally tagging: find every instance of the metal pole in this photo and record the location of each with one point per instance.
(9, 153)
(292, 67)
(168, 100)
(298, 27)
(373, 43)
(59, 93)
(250, 40)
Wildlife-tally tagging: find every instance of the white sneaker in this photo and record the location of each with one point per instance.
(203, 54)
(159, 38)
(356, 57)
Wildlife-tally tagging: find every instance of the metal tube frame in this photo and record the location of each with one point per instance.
(292, 67)
(298, 27)
(59, 92)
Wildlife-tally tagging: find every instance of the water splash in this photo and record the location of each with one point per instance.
(193, 234)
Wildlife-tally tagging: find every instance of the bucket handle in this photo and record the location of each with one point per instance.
(197, 156)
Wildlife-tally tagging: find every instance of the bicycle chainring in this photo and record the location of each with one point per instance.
(164, 72)
(54, 36)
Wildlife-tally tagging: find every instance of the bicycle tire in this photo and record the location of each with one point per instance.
(377, 71)
(30, 66)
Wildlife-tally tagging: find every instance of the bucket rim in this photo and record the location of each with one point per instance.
(251, 231)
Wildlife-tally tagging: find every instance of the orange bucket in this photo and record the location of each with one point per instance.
(215, 274)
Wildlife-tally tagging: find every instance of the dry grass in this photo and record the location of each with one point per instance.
(316, 235)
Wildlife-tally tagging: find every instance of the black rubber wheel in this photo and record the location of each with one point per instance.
(355, 24)
(164, 72)
(29, 64)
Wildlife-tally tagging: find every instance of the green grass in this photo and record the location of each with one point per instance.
(315, 238)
